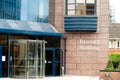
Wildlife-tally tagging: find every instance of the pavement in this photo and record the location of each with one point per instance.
(60, 78)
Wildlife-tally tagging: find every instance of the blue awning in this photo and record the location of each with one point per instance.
(27, 28)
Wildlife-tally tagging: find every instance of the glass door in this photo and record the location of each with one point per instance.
(26, 59)
(17, 59)
(35, 59)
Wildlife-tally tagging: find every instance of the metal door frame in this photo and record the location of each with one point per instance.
(53, 60)
(0, 61)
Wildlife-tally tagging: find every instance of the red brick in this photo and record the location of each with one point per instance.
(73, 60)
(71, 42)
(111, 75)
(71, 54)
(102, 60)
(86, 53)
(71, 66)
(71, 48)
(86, 66)
(102, 54)
(88, 60)
(98, 66)
(73, 72)
(89, 72)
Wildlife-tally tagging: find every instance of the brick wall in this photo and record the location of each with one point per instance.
(81, 59)
(109, 75)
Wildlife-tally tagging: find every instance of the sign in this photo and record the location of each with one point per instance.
(89, 45)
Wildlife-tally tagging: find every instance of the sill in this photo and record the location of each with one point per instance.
(80, 15)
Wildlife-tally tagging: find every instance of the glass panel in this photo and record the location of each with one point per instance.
(71, 6)
(35, 10)
(41, 59)
(90, 9)
(31, 59)
(19, 72)
(71, 1)
(27, 59)
(31, 56)
(90, 6)
(80, 12)
(80, 1)
(80, 6)
(90, 1)
(90, 12)
(35, 59)
(80, 9)
(17, 66)
(71, 12)
(19, 62)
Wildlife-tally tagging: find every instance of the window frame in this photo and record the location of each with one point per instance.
(117, 44)
(75, 10)
(111, 44)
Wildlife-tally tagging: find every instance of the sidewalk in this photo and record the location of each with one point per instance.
(60, 78)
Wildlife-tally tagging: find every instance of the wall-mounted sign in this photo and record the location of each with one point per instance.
(89, 44)
(3, 58)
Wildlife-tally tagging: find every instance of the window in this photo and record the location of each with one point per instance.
(111, 44)
(80, 7)
(117, 44)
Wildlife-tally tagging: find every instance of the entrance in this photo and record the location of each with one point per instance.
(27, 58)
(53, 62)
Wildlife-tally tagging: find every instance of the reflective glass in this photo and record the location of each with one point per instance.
(71, 6)
(71, 12)
(80, 6)
(27, 10)
(80, 12)
(71, 1)
(90, 1)
(80, 1)
(35, 10)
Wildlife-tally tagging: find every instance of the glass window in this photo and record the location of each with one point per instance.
(71, 6)
(80, 7)
(80, 1)
(111, 44)
(26, 10)
(117, 44)
(71, 1)
(90, 1)
(71, 12)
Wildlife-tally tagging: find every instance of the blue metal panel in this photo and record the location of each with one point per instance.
(80, 23)
(0, 61)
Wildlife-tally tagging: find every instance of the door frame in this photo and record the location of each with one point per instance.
(53, 60)
(0, 61)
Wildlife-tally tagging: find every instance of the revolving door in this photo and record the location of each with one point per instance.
(27, 58)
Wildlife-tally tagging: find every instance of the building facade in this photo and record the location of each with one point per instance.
(86, 26)
(114, 41)
(54, 37)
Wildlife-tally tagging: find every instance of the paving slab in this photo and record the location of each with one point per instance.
(60, 78)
